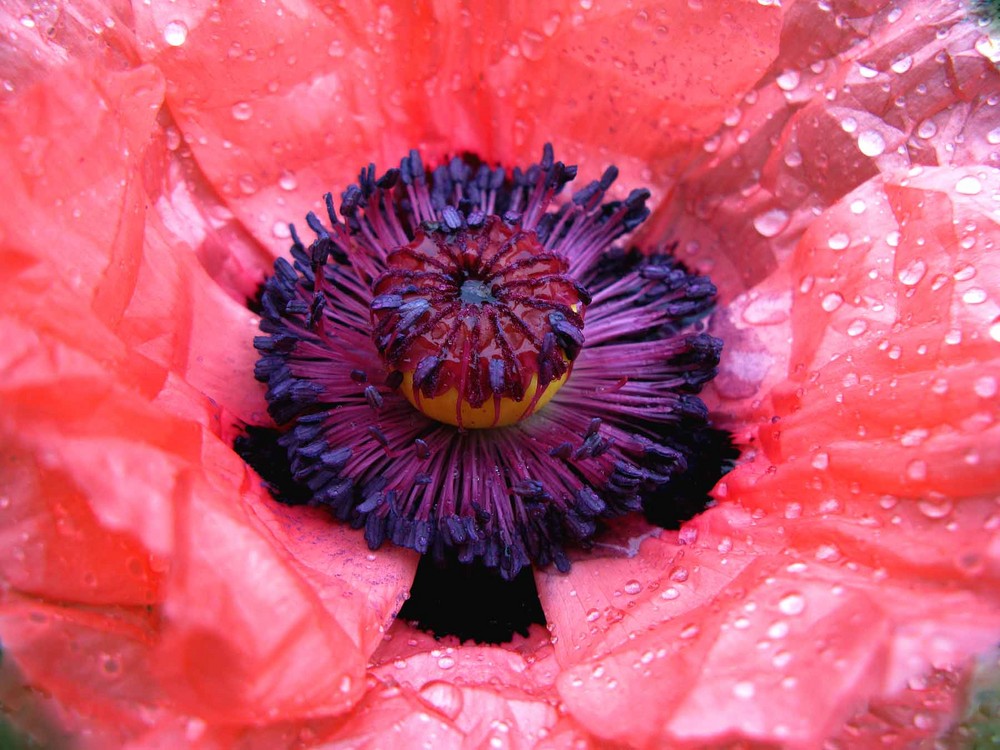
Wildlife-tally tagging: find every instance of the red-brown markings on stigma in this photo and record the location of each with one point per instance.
(481, 310)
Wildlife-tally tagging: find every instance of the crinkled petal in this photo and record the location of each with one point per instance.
(280, 105)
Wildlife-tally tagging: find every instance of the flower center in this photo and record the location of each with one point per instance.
(479, 326)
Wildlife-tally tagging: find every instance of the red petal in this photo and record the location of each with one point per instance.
(301, 97)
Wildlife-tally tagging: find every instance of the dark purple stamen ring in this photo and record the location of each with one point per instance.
(335, 319)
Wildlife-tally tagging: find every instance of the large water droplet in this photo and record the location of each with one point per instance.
(770, 223)
(871, 143)
(633, 587)
(927, 129)
(789, 80)
(974, 296)
(838, 241)
(902, 64)
(242, 111)
(985, 386)
(867, 71)
(175, 33)
(857, 327)
(832, 301)
(792, 604)
(968, 185)
(287, 181)
(912, 273)
(444, 696)
(936, 509)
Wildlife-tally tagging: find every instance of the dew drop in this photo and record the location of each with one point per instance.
(901, 64)
(670, 593)
(974, 296)
(793, 159)
(689, 632)
(839, 241)
(912, 273)
(633, 587)
(446, 662)
(770, 223)
(287, 181)
(792, 604)
(892, 239)
(781, 659)
(789, 80)
(849, 124)
(867, 71)
(247, 183)
(821, 461)
(926, 129)
(858, 207)
(857, 327)
(936, 509)
(870, 143)
(281, 230)
(744, 690)
(778, 630)
(985, 386)
(175, 33)
(832, 301)
(968, 185)
(593, 615)
(242, 111)
(993, 137)
(444, 696)
(995, 330)
(917, 470)
(894, 15)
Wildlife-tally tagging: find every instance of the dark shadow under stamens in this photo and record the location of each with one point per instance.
(472, 602)
(259, 447)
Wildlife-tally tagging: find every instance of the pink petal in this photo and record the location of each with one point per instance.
(287, 117)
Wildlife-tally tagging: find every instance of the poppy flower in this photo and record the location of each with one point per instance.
(833, 167)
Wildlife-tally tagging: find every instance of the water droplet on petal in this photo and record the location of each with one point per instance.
(857, 327)
(993, 137)
(792, 604)
(446, 662)
(744, 690)
(936, 509)
(832, 301)
(821, 461)
(175, 33)
(849, 124)
(985, 386)
(867, 71)
(838, 241)
(912, 273)
(287, 181)
(968, 185)
(690, 631)
(917, 470)
(871, 143)
(444, 696)
(974, 296)
(778, 630)
(633, 587)
(789, 80)
(770, 223)
(926, 129)
(902, 64)
(242, 111)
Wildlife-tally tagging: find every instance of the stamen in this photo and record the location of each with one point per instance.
(413, 353)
